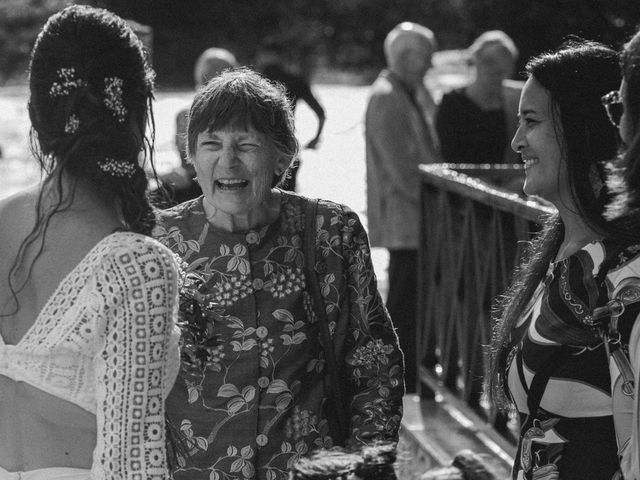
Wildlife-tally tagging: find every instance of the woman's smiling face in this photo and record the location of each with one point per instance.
(235, 169)
(536, 140)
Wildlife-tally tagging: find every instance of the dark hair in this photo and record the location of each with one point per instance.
(625, 173)
(576, 76)
(243, 98)
(91, 89)
(110, 103)
(374, 462)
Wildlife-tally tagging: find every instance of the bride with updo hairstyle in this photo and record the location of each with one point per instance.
(88, 343)
(89, 103)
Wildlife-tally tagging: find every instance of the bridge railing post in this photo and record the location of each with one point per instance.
(472, 231)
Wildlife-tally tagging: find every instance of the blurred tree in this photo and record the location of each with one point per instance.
(340, 34)
(346, 34)
(20, 22)
(359, 27)
(540, 25)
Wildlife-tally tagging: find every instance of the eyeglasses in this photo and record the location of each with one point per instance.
(613, 105)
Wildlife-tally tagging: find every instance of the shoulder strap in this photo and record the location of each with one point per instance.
(605, 319)
(530, 427)
(325, 336)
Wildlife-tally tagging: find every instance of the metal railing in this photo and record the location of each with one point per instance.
(472, 233)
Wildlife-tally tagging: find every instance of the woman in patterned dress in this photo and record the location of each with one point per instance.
(88, 345)
(546, 362)
(261, 397)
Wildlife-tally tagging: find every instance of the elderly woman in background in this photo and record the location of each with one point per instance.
(475, 123)
(299, 319)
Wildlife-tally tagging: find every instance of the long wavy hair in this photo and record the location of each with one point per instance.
(91, 92)
(576, 76)
(624, 179)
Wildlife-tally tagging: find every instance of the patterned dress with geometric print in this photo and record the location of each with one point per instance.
(572, 432)
(259, 402)
(623, 280)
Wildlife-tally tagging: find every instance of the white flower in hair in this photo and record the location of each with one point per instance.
(72, 125)
(68, 82)
(116, 168)
(113, 97)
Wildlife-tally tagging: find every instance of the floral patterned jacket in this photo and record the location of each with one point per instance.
(259, 402)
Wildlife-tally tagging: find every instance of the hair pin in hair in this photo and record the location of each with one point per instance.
(68, 82)
(113, 97)
(116, 168)
(72, 125)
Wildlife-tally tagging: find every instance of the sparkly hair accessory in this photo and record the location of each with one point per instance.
(72, 125)
(113, 97)
(68, 82)
(116, 168)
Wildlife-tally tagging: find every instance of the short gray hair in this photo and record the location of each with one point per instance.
(491, 38)
(407, 29)
(212, 62)
(242, 97)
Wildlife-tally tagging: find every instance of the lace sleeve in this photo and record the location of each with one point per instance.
(139, 285)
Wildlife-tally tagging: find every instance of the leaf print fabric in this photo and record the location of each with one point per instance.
(260, 403)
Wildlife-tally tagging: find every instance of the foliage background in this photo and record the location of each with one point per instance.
(321, 35)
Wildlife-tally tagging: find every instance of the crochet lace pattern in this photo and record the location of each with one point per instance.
(106, 341)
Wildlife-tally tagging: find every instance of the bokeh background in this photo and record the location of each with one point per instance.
(333, 40)
(336, 44)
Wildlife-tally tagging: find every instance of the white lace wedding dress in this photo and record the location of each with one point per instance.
(106, 341)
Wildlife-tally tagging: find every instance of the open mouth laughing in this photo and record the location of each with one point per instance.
(231, 184)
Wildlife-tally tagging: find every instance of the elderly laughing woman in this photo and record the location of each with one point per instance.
(301, 353)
